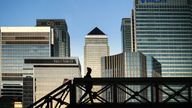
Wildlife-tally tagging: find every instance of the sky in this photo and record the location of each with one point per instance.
(81, 16)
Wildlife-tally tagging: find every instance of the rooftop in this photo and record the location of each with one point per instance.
(96, 31)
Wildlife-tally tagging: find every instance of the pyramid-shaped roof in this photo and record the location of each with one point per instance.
(96, 31)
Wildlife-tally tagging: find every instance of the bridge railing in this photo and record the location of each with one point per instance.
(134, 90)
(55, 99)
(119, 90)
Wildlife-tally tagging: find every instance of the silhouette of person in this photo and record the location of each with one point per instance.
(88, 85)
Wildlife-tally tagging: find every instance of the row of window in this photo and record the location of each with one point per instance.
(163, 43)
(161, 6)
(174, 70)
(27, 55)
(166, 39)
(25, 46)
(165, 51)
(25, 38)
(163, 9)
(165, 25)
(177, 67)
(168, 54)
(164, 32)
(163, 13)
(25, 42)
(23, 51)
(163, 17)
(25, 34)
(156, 27)
(169, 36)
(164, 48)
(154, 21)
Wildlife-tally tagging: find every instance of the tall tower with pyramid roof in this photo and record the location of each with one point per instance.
(96, 46)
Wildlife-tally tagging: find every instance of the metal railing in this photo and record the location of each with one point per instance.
(55, 99)
(120, 91)
(135, 90)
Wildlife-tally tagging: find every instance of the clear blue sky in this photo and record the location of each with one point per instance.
(81, 17)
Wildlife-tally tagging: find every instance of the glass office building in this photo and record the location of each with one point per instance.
(164, 30)
(129, 64)
(60, 37)
(18, 43)
(126, 34)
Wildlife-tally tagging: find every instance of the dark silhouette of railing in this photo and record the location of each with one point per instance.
(122, 91)
(54, 99)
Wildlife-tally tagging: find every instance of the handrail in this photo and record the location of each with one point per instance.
(46, 99)
(157, 87)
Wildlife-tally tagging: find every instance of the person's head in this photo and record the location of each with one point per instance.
(89, 70)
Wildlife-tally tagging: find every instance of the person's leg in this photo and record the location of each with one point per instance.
(82, 97)
(91, 97)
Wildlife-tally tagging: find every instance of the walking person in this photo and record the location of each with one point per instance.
(88, 86)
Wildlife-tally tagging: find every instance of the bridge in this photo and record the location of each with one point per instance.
(121, 93)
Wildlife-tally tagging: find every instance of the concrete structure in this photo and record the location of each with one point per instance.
(60, 36)
(17, 43)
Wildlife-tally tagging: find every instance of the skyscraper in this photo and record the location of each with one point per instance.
(96, 46)
(60, 36)
(164, 30)
(126, 34)
(17, 43)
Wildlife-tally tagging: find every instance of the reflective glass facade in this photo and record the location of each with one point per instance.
(126, 34)
(112, 67)
(18, 43)
(135, 64)
(164, 31)
(60, 36)
(129, 64)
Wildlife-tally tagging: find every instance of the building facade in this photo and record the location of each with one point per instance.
(129, 64)
(113, 67)
(60, 36)
(96, 46)
(28, 91)
(50, 73)
(18, 43)
(163, 29)
(126, 34)
(135, 64)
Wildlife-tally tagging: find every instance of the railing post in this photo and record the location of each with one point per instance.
(72, 94)
(189, 93)
(115, 93)
(156, 93)
(51, 104)
(47, 104)
(152, 94)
